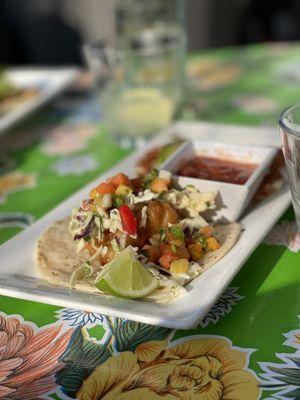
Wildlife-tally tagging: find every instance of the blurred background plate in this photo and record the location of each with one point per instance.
(36, 87)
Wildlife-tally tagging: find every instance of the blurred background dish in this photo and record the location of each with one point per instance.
(11, 94)
(150, 40)
(24, 90)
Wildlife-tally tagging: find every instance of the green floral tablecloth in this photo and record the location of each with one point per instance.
(248, 345)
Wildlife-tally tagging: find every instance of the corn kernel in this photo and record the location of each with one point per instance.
(179, 266)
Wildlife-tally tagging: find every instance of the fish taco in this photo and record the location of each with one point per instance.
(135, 238)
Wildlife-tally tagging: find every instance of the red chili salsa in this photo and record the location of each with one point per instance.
(217, 169)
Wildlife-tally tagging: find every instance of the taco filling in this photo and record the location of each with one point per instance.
(135, 238)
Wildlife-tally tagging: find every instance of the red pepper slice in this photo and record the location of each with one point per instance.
(129, 221)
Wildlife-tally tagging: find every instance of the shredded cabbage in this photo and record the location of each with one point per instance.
(115, 246)
(82, 272)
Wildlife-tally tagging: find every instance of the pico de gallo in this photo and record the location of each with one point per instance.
(162, 223)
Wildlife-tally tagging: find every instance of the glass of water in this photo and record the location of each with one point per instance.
(289, 125)
(140, 78)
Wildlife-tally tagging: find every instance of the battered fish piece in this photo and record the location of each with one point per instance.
(159, 215)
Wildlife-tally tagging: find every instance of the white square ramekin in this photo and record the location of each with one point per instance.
(232, 198)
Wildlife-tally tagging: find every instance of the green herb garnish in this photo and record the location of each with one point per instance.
(202, 241)
(173, 248)
(190, 186)
(118, 201)
(101, 225)
(148, 178)
(161, 196)
(177, 232)
(162, 234)
(143, 252)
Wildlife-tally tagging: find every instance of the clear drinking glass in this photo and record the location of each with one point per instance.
(289, 125)
(140, 78)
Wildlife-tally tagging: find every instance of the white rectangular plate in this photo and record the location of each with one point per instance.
(19, 277)
(48, 81)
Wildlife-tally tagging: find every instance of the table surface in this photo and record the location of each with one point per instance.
(247, 346)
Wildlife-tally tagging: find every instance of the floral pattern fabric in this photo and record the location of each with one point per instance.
(246, 347)
(283, 376)
(29, 357)
(196, 368)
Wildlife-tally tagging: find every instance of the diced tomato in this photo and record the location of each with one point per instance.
(104, 188)
(165, 248)
(206, 231)
(166, 259)
(129, 221)
(119, 179)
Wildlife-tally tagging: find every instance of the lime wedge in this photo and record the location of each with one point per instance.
(126, 277)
